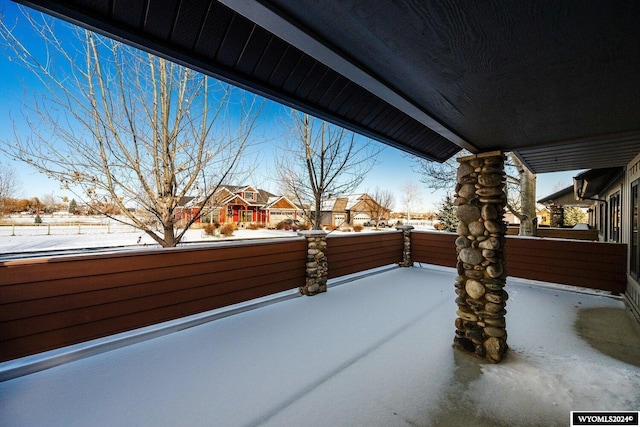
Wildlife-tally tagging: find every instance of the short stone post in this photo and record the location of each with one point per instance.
(556, 214)
(480, 200)
(406, 248)
(317, 266)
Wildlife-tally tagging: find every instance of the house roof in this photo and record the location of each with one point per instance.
(263, 195)
(593, 182)
(564, 197)
(553, 81)
(587, 185)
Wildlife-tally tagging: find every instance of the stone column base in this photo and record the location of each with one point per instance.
(480, 200)
(317, 266)
(406, 249)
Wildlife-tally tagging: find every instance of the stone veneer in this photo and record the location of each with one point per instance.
(480, 200)
(406, 248)
(317, 266)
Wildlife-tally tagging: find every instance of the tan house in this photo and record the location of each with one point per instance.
(351, 210)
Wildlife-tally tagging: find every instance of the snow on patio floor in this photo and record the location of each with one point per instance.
(372, 352)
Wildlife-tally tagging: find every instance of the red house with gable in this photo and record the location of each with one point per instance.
(244, 205)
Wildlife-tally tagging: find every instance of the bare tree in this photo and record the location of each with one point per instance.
(9, 185)
(121, 127)
(379, 204)
(319, 160)
(520, 187)
(410, 196)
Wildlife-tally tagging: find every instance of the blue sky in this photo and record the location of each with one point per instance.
(393, 170)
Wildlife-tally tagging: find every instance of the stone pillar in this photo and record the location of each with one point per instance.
(556, 216)
(406, 248)
(317, 266)
(480, 200)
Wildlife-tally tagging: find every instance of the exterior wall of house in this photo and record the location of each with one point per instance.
(613, 216)
(632, 177)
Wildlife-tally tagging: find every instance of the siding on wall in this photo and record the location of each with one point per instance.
(359, 252)
(49, 303)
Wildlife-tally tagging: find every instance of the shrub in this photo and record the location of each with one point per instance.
(357, 228)
(399, 223)
(253, 226)
(38, 220)
(280, 225)
(305, 226)
(209, 229)
(330, 227)
(227, 230)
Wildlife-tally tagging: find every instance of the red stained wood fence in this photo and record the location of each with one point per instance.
(354, 253)
(596, 265)
(47, 303)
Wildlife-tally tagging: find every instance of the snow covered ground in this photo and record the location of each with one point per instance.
(97, 233)
(33, 239)
(375, 351)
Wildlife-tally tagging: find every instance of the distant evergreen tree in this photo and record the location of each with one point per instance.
(574, 215)
(73, 206)
(447, 214)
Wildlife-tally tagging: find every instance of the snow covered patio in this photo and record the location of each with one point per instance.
(376, 350)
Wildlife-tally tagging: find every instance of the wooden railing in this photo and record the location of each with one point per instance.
(595, 265)
(351, 254)
(436, 248)
(47, 303)
(560, 233)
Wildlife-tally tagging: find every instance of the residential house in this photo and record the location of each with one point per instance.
(613, 198)
(242, 205)
(352, 210)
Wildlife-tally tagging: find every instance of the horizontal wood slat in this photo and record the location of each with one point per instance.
(595, 265)
(49, 303)
(560, 233)
(350, 254)
(434, 248)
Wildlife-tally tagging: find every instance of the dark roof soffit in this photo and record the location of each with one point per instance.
(271, 67)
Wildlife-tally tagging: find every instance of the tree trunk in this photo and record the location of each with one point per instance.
(318, 213)
(529, 220)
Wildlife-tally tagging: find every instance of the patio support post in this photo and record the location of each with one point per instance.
(557, 216)
(406, 247)
(480, 199)
(317, 265)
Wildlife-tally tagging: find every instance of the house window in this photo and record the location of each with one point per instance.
(246, 216)
(633, 253)
(614, 217)
(249, 195)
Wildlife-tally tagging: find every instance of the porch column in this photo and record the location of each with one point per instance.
(406, 247)
(317, 265)
(556, 214)
(480, 200)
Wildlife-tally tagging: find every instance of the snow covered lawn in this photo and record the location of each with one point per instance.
(371, 352)
(32, 239)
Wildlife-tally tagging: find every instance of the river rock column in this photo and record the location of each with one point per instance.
(480, 200)
(317, 265)
(406, 248)
(556, 214)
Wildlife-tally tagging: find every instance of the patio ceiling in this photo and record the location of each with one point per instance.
(555, 81)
